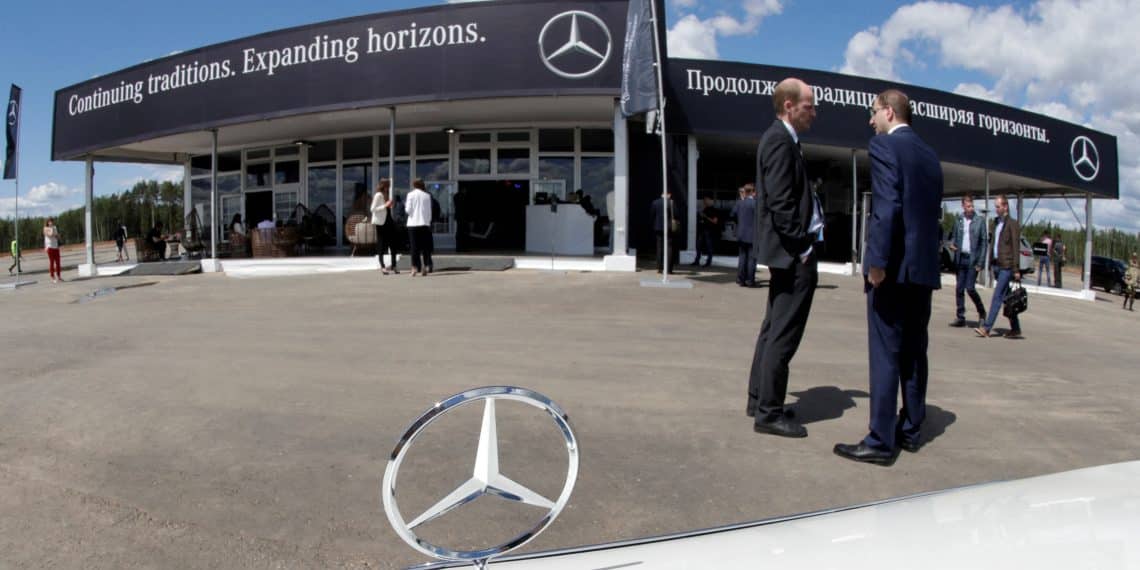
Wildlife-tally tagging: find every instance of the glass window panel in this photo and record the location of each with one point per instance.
(200, 203)
(200, 165)
(475, 161)
(291, 150)
(355, 182)
(287, 172)
(256, 154)
(284, 203)
(231, 206)
(556, 140)
(558, 168)
(356, 148)
(514, 161)
(433, 169)
(257, 175)
(229, 162)
(322, 197)
(598, 180)
(597, 140)
(474, 137)
(432, 143)
(322, 151)
(403, 145)
(442, 194)
(523, 136)
(229, 183)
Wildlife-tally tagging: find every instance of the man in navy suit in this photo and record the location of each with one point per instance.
(788, 223)
(900, 269)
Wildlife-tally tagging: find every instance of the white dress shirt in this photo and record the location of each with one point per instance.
(379, 209)
(418, 207)
(964, 247)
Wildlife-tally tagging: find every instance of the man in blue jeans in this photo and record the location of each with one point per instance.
(968, 244)
(1044, 265)
(1006, 239)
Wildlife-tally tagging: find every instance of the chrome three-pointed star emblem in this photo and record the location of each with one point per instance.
(486, 480)
(1086, 159)
(13, 112)
(595, 55)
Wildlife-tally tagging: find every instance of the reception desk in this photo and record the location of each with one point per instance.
(570, 230)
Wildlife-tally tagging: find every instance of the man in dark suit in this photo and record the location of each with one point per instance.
(745, 213)
(900, 270)
(660, 227)
(787, 224)
(968, 245)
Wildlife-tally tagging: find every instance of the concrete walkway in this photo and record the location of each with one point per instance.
(206, 422)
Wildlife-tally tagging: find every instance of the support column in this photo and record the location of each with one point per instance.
(854, 212)
(989, 281)
(88, 268)
(212, 265)
(619, 259)
(214, 196)
(691, 242)
(1087, 289)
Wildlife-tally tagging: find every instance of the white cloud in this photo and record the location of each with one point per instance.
(1070, 59)
(694, 37)
(43, 200)
(50, 192)
(978, 91)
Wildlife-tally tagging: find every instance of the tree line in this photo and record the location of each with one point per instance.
(138, 209)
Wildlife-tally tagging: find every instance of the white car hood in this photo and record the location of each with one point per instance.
(1088, 518)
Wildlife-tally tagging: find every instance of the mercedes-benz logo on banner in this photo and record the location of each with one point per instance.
(582, 54)
(13, 113)
(1086, 159)
(486, 478)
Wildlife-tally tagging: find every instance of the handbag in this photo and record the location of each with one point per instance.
(1015, 302)
(674, 226)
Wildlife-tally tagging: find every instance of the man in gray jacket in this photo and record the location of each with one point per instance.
(745, 211)
(968, 245)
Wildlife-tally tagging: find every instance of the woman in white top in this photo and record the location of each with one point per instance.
(236, 226)
(385, 236)
(51, 247)
(418, 206)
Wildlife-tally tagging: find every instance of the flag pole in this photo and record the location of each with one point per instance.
(665, 203)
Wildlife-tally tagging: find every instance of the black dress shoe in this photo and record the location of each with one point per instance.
(865, 454)
(958, 323)
(910, 446)
(788, 412)
(782, 427)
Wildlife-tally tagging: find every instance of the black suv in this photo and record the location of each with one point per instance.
(1108, 274)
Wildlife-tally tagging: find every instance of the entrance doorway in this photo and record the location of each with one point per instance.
(258, 207)
(491, 215)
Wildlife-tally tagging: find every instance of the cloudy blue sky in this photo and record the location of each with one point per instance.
(1073, 59)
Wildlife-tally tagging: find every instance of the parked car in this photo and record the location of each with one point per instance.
(1108, 274)
(1079, 518)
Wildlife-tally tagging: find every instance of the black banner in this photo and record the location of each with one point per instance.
(734, 99)
(12, 153)
(638, 74)
(455, 51)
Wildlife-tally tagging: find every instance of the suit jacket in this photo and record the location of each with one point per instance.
(745, 211)
(977, 239)
(1008, 244)
(784, 201)
(658, 219)
(904, 231)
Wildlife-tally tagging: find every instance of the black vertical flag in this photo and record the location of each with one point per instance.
(11, 159)
(638, 75)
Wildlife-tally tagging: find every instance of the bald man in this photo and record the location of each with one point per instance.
(788, 224)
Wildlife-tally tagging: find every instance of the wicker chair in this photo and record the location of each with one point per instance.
(275, 242)
(360, 233)
(239, 245)
(192, 239)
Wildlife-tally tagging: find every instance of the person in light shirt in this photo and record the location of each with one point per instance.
(418, 207)
(968, 245)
